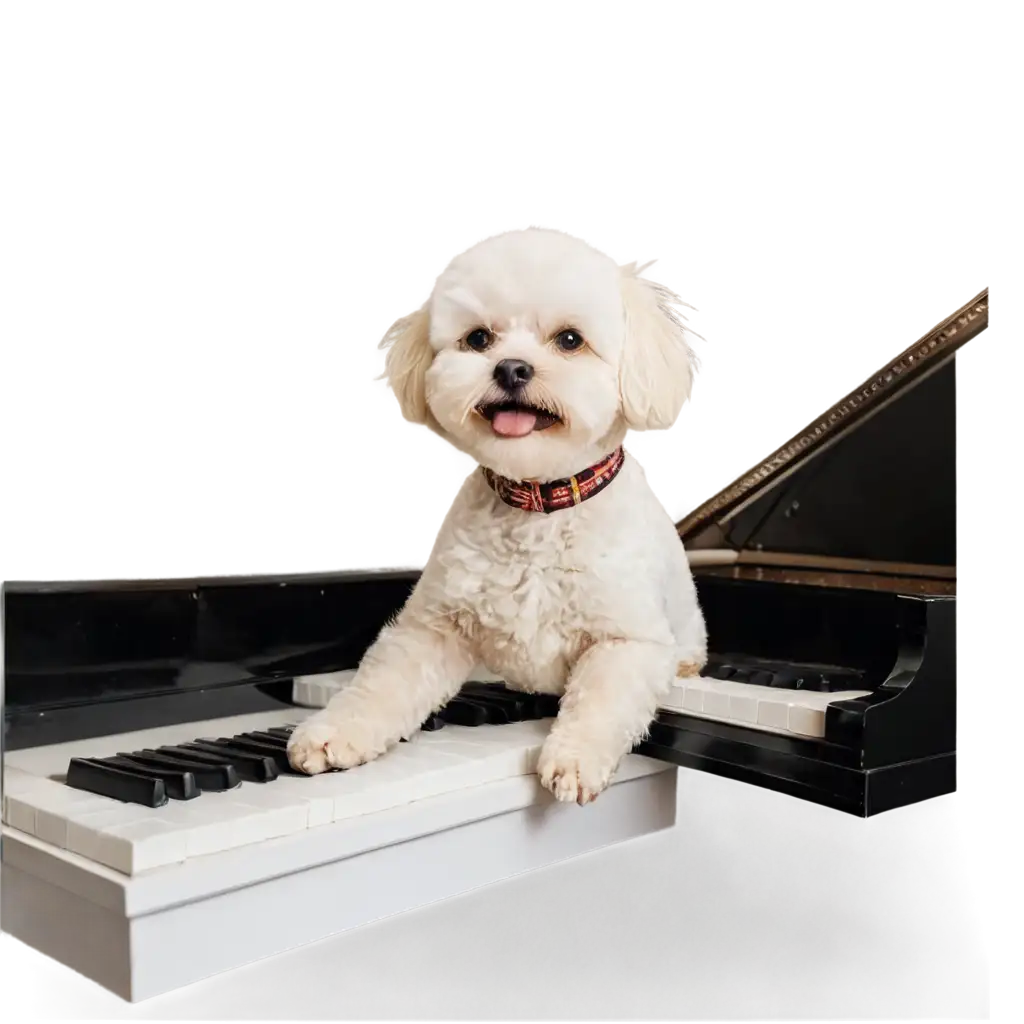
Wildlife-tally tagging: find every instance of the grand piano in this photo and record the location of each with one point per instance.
(145, 786)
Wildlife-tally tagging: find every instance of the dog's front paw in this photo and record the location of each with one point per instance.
(322, 742)
(572, 773)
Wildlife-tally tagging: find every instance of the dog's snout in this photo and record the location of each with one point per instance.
(513, 373)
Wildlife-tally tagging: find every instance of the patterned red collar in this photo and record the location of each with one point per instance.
(536, 497)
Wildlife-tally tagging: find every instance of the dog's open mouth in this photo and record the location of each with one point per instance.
(517, 419)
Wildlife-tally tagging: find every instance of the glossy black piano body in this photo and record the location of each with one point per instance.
(835, 557)
(894, 747)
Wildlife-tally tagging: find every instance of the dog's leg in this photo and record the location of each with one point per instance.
(611, 697)
(409, 671)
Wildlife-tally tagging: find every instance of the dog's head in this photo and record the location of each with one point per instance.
(536, 353)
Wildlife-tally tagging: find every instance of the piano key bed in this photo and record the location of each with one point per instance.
(113, 809)
(118, 819)
(113, 845)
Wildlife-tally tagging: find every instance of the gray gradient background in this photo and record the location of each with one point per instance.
(204, 214)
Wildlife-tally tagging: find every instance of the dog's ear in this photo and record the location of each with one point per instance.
(657, 364)
(409, 356)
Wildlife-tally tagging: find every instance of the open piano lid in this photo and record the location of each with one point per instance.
(865, 495)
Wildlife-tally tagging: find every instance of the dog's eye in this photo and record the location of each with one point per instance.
(479, 339)
(569, 340)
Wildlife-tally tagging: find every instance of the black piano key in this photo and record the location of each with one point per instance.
(718, 671)
(739, 674)
(105, 780)
(796, 679)
(268, 737)
(188, 752)
(516, 704)
(282, 730)
(432, 724)
(835, 682)
(496, 690)
(761, 677)
(546, 704)
(786, 679)
(463, 712)
(535, 710)
(180, 785)
(214, 778)
(809, 681)
(279, 755)
(497, 712)
(253, 767)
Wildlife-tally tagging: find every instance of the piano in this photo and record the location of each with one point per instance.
(146, 794)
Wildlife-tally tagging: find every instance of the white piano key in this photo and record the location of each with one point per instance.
(742, 706)
(132, 838)
(748, 704)
(281, 811)
(221, 821)
(369, 788)
(773, 714)
(85, 835)
(774, 709)
(20, 813)
(311, 792)
(317, 690)
(18, 808)
(434, 763)
(502, 737)
(18, 782)
(476, 766)
(693, 698)
(142, 845)
(512, 758)
(52, 818)
(804, 721)
(674, 699)
(716, 702)
(807, 713)
(42, 806)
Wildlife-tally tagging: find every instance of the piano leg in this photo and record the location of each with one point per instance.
(610, 700)
(408, 672)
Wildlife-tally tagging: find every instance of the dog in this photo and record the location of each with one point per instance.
(556, 568)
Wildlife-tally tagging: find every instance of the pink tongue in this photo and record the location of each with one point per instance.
(513, 422)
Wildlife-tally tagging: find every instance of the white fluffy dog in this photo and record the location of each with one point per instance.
(556, 568)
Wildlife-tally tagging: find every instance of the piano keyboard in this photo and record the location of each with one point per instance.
(182, 771)
(783, 699)
(774, 697)
(174, 797)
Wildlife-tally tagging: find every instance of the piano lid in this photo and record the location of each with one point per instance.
(865, 495)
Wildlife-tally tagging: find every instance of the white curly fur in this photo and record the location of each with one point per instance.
(594, 602)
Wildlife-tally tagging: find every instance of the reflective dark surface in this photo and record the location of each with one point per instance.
(90, 659)
(885, 492)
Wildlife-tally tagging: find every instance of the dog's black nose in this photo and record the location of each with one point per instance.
(512, 373)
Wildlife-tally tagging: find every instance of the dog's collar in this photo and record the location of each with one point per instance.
(558, 494)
